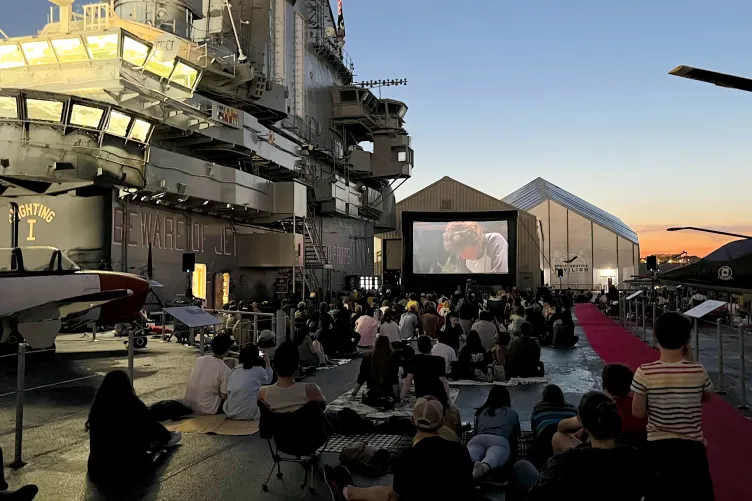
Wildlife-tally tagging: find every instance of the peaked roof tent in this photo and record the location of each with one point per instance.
(539, 190)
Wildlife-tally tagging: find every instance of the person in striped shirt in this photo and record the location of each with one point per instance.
(670, 392)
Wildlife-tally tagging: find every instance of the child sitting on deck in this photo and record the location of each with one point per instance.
(671, 391)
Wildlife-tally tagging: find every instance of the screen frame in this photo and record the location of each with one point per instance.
(422, 282)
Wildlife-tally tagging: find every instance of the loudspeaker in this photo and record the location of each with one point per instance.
(560, 272)
(652, 263)
(189, 261)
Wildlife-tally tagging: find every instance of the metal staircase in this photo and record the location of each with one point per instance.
(313, 252)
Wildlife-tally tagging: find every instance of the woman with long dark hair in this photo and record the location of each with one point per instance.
(253, 371)
(389, 328)
(122, 434)
(472, 361)
(379, 370)
(497, 430)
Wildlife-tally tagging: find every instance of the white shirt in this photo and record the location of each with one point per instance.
(242, 391)
(207, 380)
(390, 330)
(447, 353)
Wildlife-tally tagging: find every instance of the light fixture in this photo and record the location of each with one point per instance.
(206, 202)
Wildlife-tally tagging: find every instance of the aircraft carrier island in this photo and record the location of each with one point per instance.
(215, 145)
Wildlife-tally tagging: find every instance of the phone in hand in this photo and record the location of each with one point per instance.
(261, 353)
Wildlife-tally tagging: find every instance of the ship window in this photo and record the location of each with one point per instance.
(103, 46)
(140, 130)
(43, 110)
(160, 63)
(11, 56)
(446, 204)
(86, 116)
(39, 53)
(70, 50)
(134, 52)
(8, 107)
(184, 75)
(402, 156)
(119, 123)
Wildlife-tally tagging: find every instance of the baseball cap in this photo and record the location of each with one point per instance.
(428, 413)
(266, 335)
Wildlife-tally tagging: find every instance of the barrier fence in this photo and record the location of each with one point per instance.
(716, 341)
(281, 323)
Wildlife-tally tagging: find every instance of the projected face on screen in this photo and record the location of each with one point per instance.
(460, 247)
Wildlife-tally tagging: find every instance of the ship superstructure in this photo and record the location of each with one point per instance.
(225, 131)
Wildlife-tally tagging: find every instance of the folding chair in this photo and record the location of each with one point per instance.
(294, 437)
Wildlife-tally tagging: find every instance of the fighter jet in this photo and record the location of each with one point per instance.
(41, 290)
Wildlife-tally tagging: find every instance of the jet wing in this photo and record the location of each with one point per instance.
(66, 308)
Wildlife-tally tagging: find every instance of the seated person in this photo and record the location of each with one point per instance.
(327, 337)
(310, 352)
(346, 339)
(486, 329)
(267, 341)
(207, 384)
(122, 434)
(367, 327)
(589, 471)
(497, 431)
(524, 354)
(617, 380)
(452, 332)
(545, 419)
(429, 373)
(444, 350)
(564, 331)
(286, 395)
(500, 352)
(516, 319)
(390, 328)
(252, 372)
(472, 362)
(379, 370)
(433, 468)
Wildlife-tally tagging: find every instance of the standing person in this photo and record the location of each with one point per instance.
(367, 326)
(670, 392)
(453, 331)
(25, 493)
(379, 370)
(409, 323)
(497, 430)
(428, 372)
(390, 329)
(207, 384)
(486, 329)
(122, 433)
(252, 372)
(590, 470)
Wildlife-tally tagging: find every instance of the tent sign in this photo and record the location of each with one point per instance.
(704, 308)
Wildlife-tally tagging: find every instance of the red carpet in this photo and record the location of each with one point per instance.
(729, 434)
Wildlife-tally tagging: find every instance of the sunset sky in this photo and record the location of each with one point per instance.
(576, 92)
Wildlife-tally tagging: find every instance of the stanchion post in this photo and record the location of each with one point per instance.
(621, 310)
(20, 387)
(292, 325)
(131, 350)
(191, 337)
(697, 340)
(719, 337)
(655, 315)
(202, 342)
(255, 329)
(742, 370)
(644, 321)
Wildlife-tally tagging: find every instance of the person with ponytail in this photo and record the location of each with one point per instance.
(591, 471)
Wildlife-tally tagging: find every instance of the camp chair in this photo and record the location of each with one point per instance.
(296, 436)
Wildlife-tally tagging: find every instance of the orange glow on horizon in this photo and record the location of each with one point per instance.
(655, 239)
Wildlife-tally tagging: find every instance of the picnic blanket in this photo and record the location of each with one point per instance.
(402, 409)
(515, 381)
(217, 424)
(337, 361)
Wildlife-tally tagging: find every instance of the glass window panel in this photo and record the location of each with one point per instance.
(134, 51)
(184, 75)
(39, 53)
(11, 56)
(103, 46)
(47, 111)
(160, 64)
(70, 50)
(140, 130)
(8, 107)
(118, 124)
(86, 116)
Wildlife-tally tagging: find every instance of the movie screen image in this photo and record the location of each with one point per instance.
(456, 247)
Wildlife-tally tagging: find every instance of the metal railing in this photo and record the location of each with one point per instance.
(715, 342)
(282, 326)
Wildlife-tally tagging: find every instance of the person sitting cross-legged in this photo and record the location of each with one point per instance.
(433, 468)
(207, 384)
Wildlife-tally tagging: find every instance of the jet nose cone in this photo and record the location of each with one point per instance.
(127, 308)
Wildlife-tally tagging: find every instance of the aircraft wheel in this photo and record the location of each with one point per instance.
(140, 342)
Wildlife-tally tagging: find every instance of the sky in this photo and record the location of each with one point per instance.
(577, 92)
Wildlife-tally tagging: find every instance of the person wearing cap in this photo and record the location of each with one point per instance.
(433, 468)
(268, 343)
